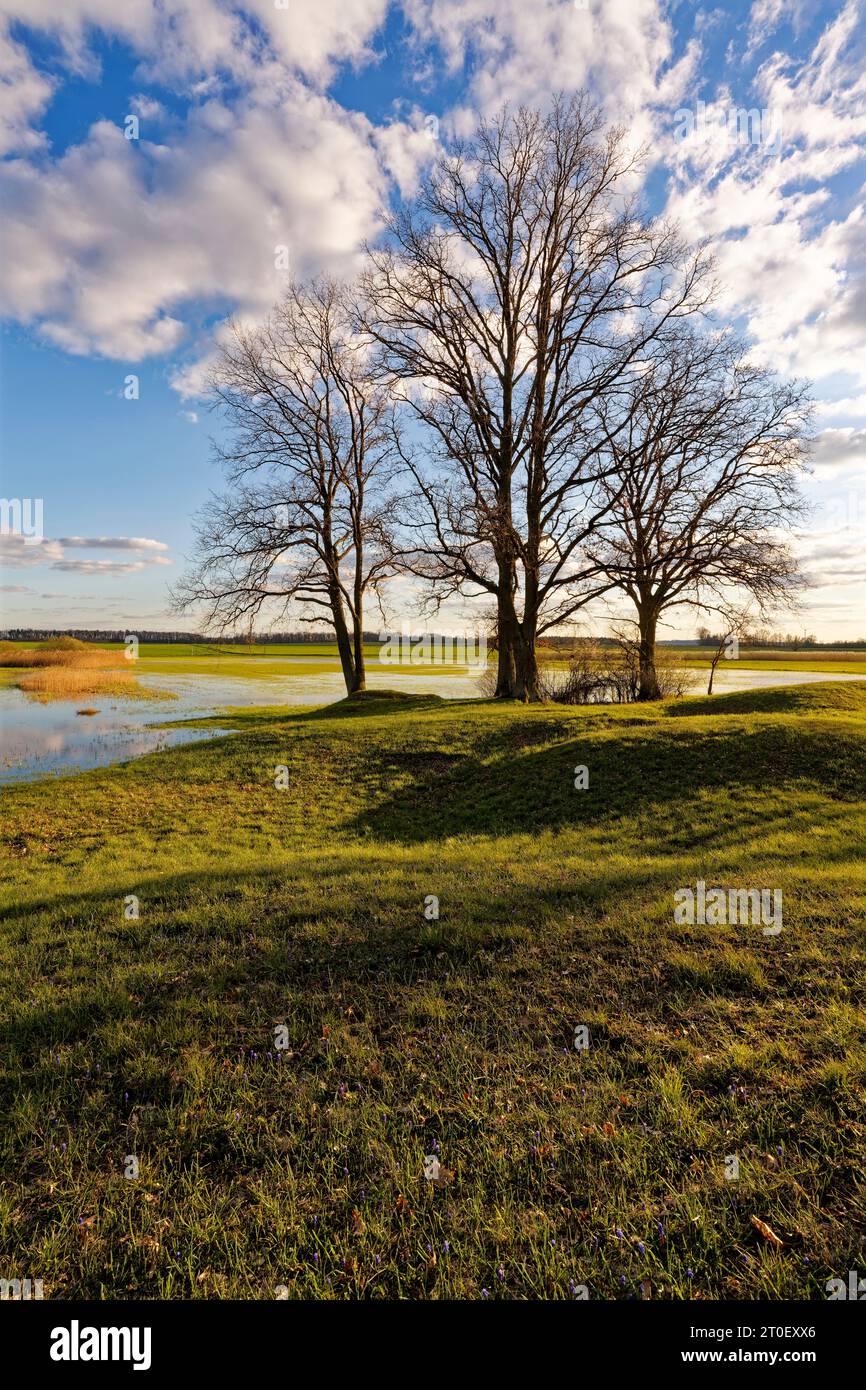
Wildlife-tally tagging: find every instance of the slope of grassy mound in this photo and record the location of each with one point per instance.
(386, 961)
(822, 696)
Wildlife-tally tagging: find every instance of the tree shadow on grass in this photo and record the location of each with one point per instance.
(655, 774)
(238, 941)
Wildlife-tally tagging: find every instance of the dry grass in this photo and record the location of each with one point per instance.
(57, 654)
(64, 683)
(66, 669)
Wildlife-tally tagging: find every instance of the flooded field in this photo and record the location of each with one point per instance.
(40, 740)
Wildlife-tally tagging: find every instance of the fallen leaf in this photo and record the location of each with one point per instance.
(766, 1231)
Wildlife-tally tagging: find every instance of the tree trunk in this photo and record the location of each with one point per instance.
(528, 682)
(517, 673)
(344, 641)
(506, 636)
(360, 680)
(648, 683)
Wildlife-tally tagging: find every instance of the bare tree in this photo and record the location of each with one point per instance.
(308, 462)
(519, 287)
(737, 621)
(708, 474)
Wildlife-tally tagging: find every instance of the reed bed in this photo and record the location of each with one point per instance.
(66, 669)
(78, 656)
(64, 683)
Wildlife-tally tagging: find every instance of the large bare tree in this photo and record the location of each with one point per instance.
(308, 458)
(519, 287)
(707, 486)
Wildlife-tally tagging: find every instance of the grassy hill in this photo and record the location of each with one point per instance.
(303, 1167)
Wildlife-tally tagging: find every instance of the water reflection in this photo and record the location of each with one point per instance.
(40, 740)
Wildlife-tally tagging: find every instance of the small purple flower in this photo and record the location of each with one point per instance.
(485, 1293)
(447, 1247)
(500, 1274)
(315, 1257)
(641, 1247)
(619, 1233)
(690, 1274)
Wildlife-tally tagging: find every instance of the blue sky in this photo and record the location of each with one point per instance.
(264, 124)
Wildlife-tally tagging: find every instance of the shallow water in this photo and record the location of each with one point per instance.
(40, 740)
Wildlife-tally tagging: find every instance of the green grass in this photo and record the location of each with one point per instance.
(258, 661)
(262, 660)
(260, 907)
(821, 662)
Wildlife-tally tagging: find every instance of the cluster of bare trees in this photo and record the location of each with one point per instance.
(524, 400)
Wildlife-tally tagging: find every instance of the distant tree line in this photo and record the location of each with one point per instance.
(524, 402)
(34, 634)
(762, 637)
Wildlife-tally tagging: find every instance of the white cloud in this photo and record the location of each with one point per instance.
(522, 52)
(110, 567)
(110, 543)
(837, 451)
(106, 247)
(794, 272)
(20, 552)
(24, 94)
(17, 552)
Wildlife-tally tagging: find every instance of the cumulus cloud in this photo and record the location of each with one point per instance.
(24, 94)
(197, 41)
(837, 451)
(107, 246)
(620, 49)
(792, 270)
